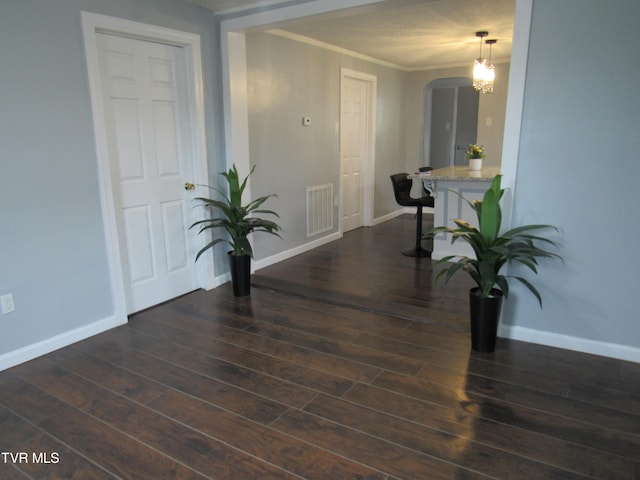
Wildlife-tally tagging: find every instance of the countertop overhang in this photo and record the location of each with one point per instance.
(460, 173)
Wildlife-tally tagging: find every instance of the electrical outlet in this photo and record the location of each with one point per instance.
(7, 304)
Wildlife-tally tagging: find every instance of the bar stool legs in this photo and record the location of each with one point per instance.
(417, 251)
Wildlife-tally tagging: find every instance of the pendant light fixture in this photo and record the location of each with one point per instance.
(491, 71)
(484, 73)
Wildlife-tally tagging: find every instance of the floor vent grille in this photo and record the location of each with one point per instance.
(319, 209)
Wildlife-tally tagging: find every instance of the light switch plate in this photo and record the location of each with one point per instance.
(7, 304)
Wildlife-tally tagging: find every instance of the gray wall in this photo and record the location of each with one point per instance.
(494, 106)
(490, 105)
(578, 169)
(286, 81)
(52, 247)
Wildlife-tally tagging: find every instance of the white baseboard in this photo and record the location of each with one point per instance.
(24, 354)
(388, 216)
(402, 211)
(279, 257)
(220, 280)
(612, 350)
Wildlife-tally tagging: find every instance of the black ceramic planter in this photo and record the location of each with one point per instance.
(485, 313)
(240, 274)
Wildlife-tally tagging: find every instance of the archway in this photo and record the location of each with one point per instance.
(450, 119)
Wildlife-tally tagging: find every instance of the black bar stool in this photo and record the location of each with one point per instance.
(402, 191)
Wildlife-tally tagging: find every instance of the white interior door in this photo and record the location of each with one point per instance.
(147, 122)
(353, 149)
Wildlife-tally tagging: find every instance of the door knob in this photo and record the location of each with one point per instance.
(189, 186)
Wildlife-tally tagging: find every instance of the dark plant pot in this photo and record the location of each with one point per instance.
(485, 312)
(240, 274)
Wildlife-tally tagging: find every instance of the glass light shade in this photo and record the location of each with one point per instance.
(483, 75)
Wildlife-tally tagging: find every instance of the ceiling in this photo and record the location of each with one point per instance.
(411, 34)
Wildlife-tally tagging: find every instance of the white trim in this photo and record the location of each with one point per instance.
(16, 357)
(332, 48)
(91, 24)
(515, 104)
(390, 216)
(369, 166)
(242, 7)
(350, 53)
(222, 279)
(594, 347)
(402, 211)
(273, 18)
(236, 104)
(305, 247)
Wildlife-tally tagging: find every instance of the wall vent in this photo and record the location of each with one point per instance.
(319, 209)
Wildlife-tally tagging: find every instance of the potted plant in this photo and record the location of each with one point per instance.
(475, 154)
(493, 250)
(238, 221)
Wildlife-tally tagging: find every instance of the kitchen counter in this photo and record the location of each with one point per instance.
(464, 173)
(455, 174)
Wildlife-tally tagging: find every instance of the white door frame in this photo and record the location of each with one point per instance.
(94, 23)
(369, 163)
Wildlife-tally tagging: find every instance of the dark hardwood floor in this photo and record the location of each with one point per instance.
(345, 362)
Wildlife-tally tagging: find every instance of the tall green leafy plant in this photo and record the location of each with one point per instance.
(237, 220)
(492, 249)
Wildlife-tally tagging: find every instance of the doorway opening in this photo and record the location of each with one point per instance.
(234, 77)
(450, 121)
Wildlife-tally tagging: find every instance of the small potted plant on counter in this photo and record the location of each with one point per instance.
(475, 154)
(238, 221)
(493, 250)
